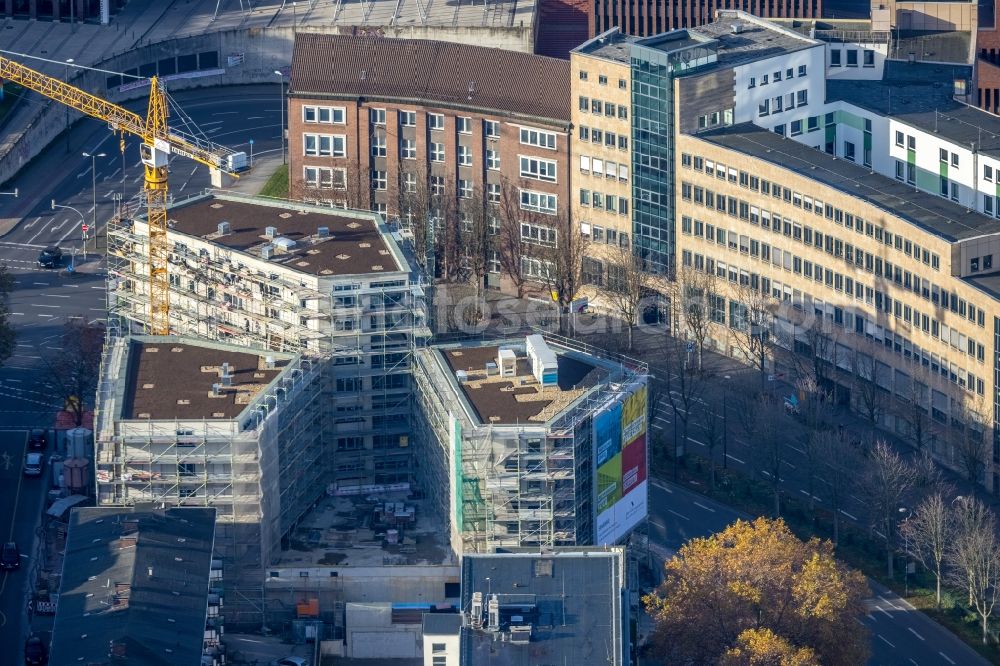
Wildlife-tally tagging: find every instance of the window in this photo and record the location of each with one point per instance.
(408, 149)
(325, 177)
(324, 145)
(491, 128)
(408, 118)
(753, 82)
(584, 197)
(437, 185)
(622, 112)
(609, 110)
(532, 137)
(943, 155)
(796, 127)
(409, 182)
(539, 202)
(493, 193)
(622, 84)
(329, 115)
(596, 106)
(538, 169)
(835, 58)
(789, 73)
(852, 57)
(464, 188)
(435, 121)
(802, 70)
(622, 142)
(911, 142)
(583, 75)
(596, 136)
(602, 79)
(812, 123)
(954, 159)
(464, 156)
(988, 172)
(536, 268)
(584, 133)
(900, 170)
(492, 160)
(584, 104)
(538, 235)
(378, 144)
(899, 139)
(777, 105)
(763, 80)
(610, 139)
(376, 116)
(463, 125)
(776, 76)
(764, 108)
(437, 152)
(378, 180)
(801, 97)
(869, 58)
(848, 151)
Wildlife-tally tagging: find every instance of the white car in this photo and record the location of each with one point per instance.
(33, 464)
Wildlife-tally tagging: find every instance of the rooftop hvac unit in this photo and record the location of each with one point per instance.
(284, 244)
(224, 228)
(323, 232)
(462, 376)
(270, 232)
(544, 365)
(494, 613)
(269, 362)
(216, 389)
(476, 616)
(507, 362)
(226, 375)
(737, 28)
(267, 251)
(520, 634)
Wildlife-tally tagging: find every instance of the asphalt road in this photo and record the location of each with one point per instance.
(20, 507)
(901, 635)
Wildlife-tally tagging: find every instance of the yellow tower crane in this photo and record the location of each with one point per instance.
(158, 142)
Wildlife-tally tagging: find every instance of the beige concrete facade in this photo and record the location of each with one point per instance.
(927, 339)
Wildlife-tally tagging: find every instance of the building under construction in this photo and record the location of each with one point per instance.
(332, 285)
(185, 422)
(540, 441)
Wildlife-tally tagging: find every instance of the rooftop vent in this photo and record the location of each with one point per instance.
(737, 28)
(323, 232)
(284, 244)
(216, 390)
(226, 374)
(224, 228)
(267, 251)
(270, 232)
(462, 376)
(269, 362)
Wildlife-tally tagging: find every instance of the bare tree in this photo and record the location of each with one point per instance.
(968, 436)
(929, 531)
(767, 446)
(912, 408)
(71, 374)
(683, 390)
(840, 466)
(566, 258)
(886, 483)
(626, 286)
(414, 207)
(512, 252)
(446, 227)
(477, 244)
(812, 341)
(872, 398)
(712, 430)
(692, 298)
(751, 322)
(975, 556)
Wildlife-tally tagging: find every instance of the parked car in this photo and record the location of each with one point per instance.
(33, 464)
(50, 257)
(35, 652)
(38, 439)
(10, 557)
(290, 661)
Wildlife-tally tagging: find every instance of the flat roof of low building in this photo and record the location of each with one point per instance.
(428, 72)
(571, 598)
(168, 378)
(518, 399)
(932, 213)
(611, 45)
(757, 38)
(355, 244)
(442, 624)
(134, 586)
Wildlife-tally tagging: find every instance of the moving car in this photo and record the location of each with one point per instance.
(33, 464)
(10, 557)
(38, 439)
(35, 652)
(50, 257)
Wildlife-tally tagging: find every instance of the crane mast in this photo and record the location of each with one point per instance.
(158, 142)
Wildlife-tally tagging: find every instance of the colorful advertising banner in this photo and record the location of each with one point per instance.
(621, 466)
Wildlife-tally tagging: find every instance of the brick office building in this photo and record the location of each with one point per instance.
(373, 123)
(651, 17)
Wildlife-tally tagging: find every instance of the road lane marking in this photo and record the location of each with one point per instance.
(891, 605)
(658, 426)
(848, 515)
(222, 113)
(662, 486)
(789, 464)
(658, 523)
(679, 515)
(734, 458)
(41, 305)
(706, 508)
(44, 284)
(59, 226)
(913, 662)
(946, 658)
(914, 632)
(55, 296)
(33, 222)
(886, 641)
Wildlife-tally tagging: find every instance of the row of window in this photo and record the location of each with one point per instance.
(435, 122)
(599, 107)
(603, 80)
(776, 76)
(607, 236)
(608, 202)
(608, 139)
(808, 204)
(781, 103)
(849, 57)
(606, 168)
(536, 234)
(850, 321)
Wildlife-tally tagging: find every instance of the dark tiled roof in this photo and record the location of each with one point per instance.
(354, 246)
(170, 380)
(134, 582)
(508, 82)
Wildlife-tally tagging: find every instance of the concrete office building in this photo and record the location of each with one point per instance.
(59, 10)
(331, 285)
(539, 442)
(562, 605)
(418, 129)
(186, 422)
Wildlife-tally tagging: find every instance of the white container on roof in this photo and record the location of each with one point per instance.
(544, 365)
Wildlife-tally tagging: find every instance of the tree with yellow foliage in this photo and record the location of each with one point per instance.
(756, 595)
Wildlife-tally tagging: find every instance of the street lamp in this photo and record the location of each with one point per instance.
(83, 221)
(906, 551)
(725, 423)
(93, 174)
(281, 82)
